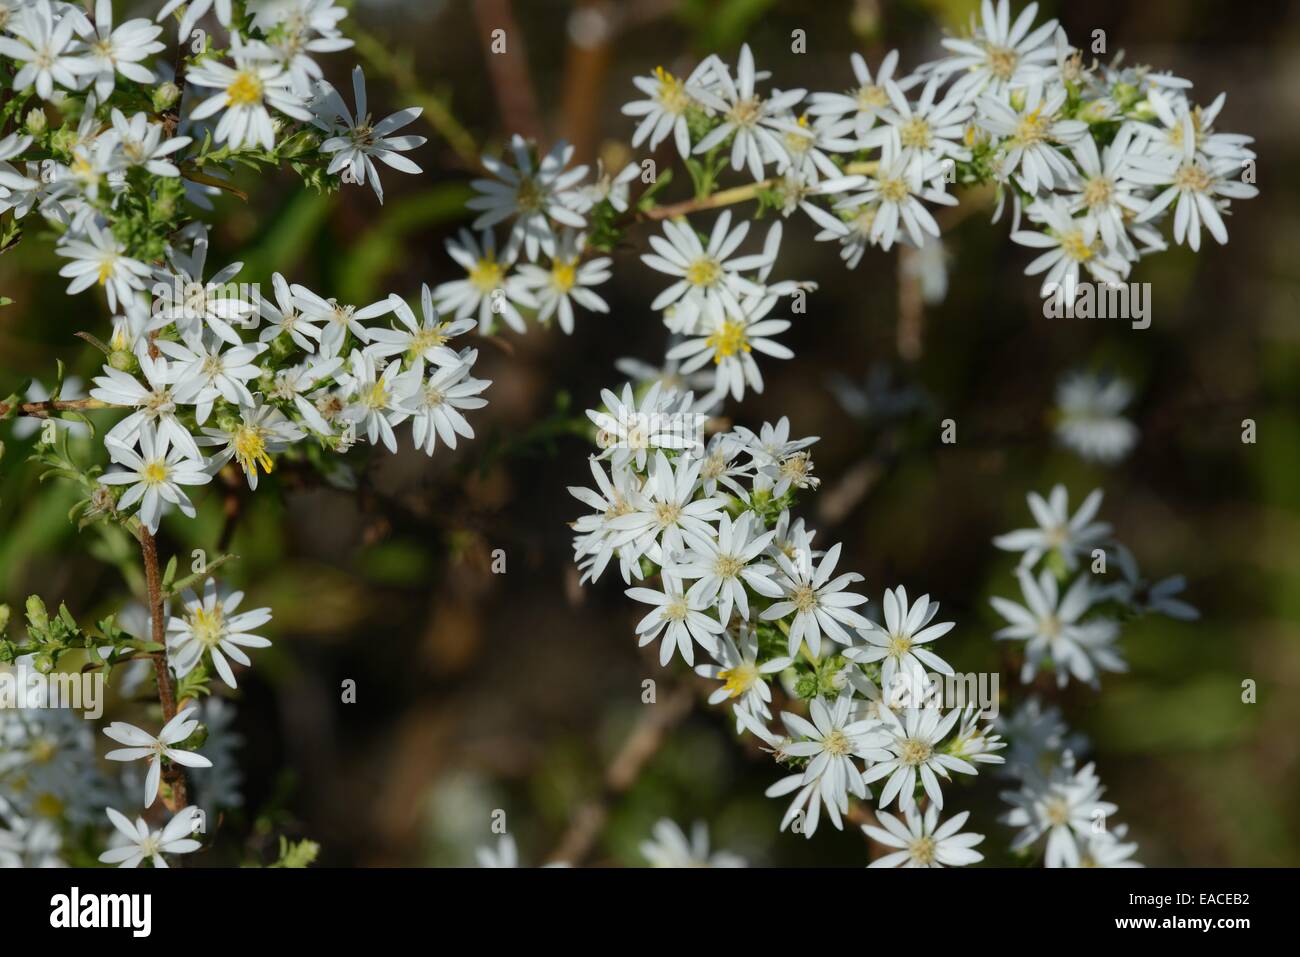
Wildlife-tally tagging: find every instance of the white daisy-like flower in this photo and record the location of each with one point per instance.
(608, 188)
(706, 276)
(99, 259)
(141, 143)
(1108, 849)
(1090, 420)
(1050, 626)
(1057, 531)
(831, 740)
(1068, 243)
(721, 567)
(665, 108)
(679, 617)
(922, 841)
(155, 474)
(594, 544)
(284, 317)
(975, 740)
(1105, 190)
(359, 141)
(138, 842)
(670, 847)
(426, 339)
(212, 625)
(741, 673)
(141, 744)
(377, 398)
(729, 340)
(819, 603)
(894, 193)
(296, 382)
(999, 56)
(536, 194)
(43, 45)
(1030, 135)
(154, 401)
(201, 372)
(914, 752)
(896, 643)
(246, 90)
(1068, 810)
(929, 131)
(629, 429)
(183, 297)
(109, 52)
(338, 319)
(436, 405)
(488, 288)
(751, 122)
(566, 280)
(260, 431)
(664, 511)
(294, 42)
(864, 104)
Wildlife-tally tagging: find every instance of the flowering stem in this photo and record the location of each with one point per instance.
(737, 194)
(42, 410)
(173, 774)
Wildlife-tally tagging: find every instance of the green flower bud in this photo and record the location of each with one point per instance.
(165, 96)
(36, 123)
(122, 360)
(37, 617)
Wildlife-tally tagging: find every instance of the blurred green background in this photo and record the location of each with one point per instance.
(478, 691)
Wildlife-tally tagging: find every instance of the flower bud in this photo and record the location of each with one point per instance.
(122, 360)
(36, 123)
(165, 96)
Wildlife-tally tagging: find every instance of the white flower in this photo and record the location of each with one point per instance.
(142, 744)
(201, 373)
(261, 430)
(1106, 190)
(566, 280)
(211, 625)
(913, 743)
(665, 110)
(293, 384)
(922, 841)
(378, 397)
(99, 258)
(43, 46)
(1000, 55)
(141, 144)
(339, 319)
(194, 12)
(894, 195)
(506, 854)
(671, 848)
(436, 404)
(1089, 418)
(664, 510)
(865, 103)
(427, 340)
(246, 90)
(283, 316)
(293, 42)
(928, 131)
(819, 602)
(751, 121)
(707, 278)
(1197, 182)
(722, 567)
(729, 339)
(1107, 850)
(1067, 809)
(153, 400)
(832, 739)
(896, 642)
(535, 194)
(139, 842)
(741, 674)
(679, 617)
(629, 431)
(185, 299)
(595, 543)
(488, 288)
(1057, 531)
(1050, 626)
(155, 475)
(1030, 133)
(360, 142)
(110, 52)
(1069, 243)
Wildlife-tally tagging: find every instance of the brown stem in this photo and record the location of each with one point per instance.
(641, 745)
(173, 774)
(42, 410)
(508, 71)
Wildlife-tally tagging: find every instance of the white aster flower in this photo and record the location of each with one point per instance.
(664, 512)
(670, 847)
(259, 431)
(742, 674)
(630, 430)
(664, 111)
(359, 141)
(155, 474)
(999, 56)
(338, 318)
(294, 383)
(1089, 417)
(436, 404)
(141, 143)
(488, 287)
(425, 339)
(729, 340)
(110, 52)
(142, 744)
(678, 617)
(895, 643)
(154, 401)
(284, 317)
(914, 752)
(865, 103)
(1030, 135)
(43, 45)
(1057, 531)
(922, 841)
(894, 194)
(195, 10)
(721, 567)
(201, 372)
(536, 194)
(246, 90)
(212, 625)
(98, 258)
(139, 843)
(566, 280)
(819, 603)
(1068, 810)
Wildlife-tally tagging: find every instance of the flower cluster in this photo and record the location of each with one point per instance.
(705, 526)
(1070, 614)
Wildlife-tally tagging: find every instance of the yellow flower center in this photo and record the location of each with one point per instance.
(106, 269)
(245, 89)
(1002, 62)
(250, 450)
(804, 598)
(703, 272)
(1076, 247)
(739, 679)
(155, 472)
(922, 850)
(1192, 177)
(667, 514)
(915, 752)
(564, 275)
(1098, 191)
(745, 112)
(672, 94)
(915, 133)
(486, 275)
(1032, 128)
(728, 340)
(870, 97)
(727, 566)
(208, 627)
(899, 645)
(893, 190)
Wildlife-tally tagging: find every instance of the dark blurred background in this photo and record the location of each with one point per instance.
(479, 691)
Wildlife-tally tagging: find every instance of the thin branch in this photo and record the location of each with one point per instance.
(42, 410)
(173, 774)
